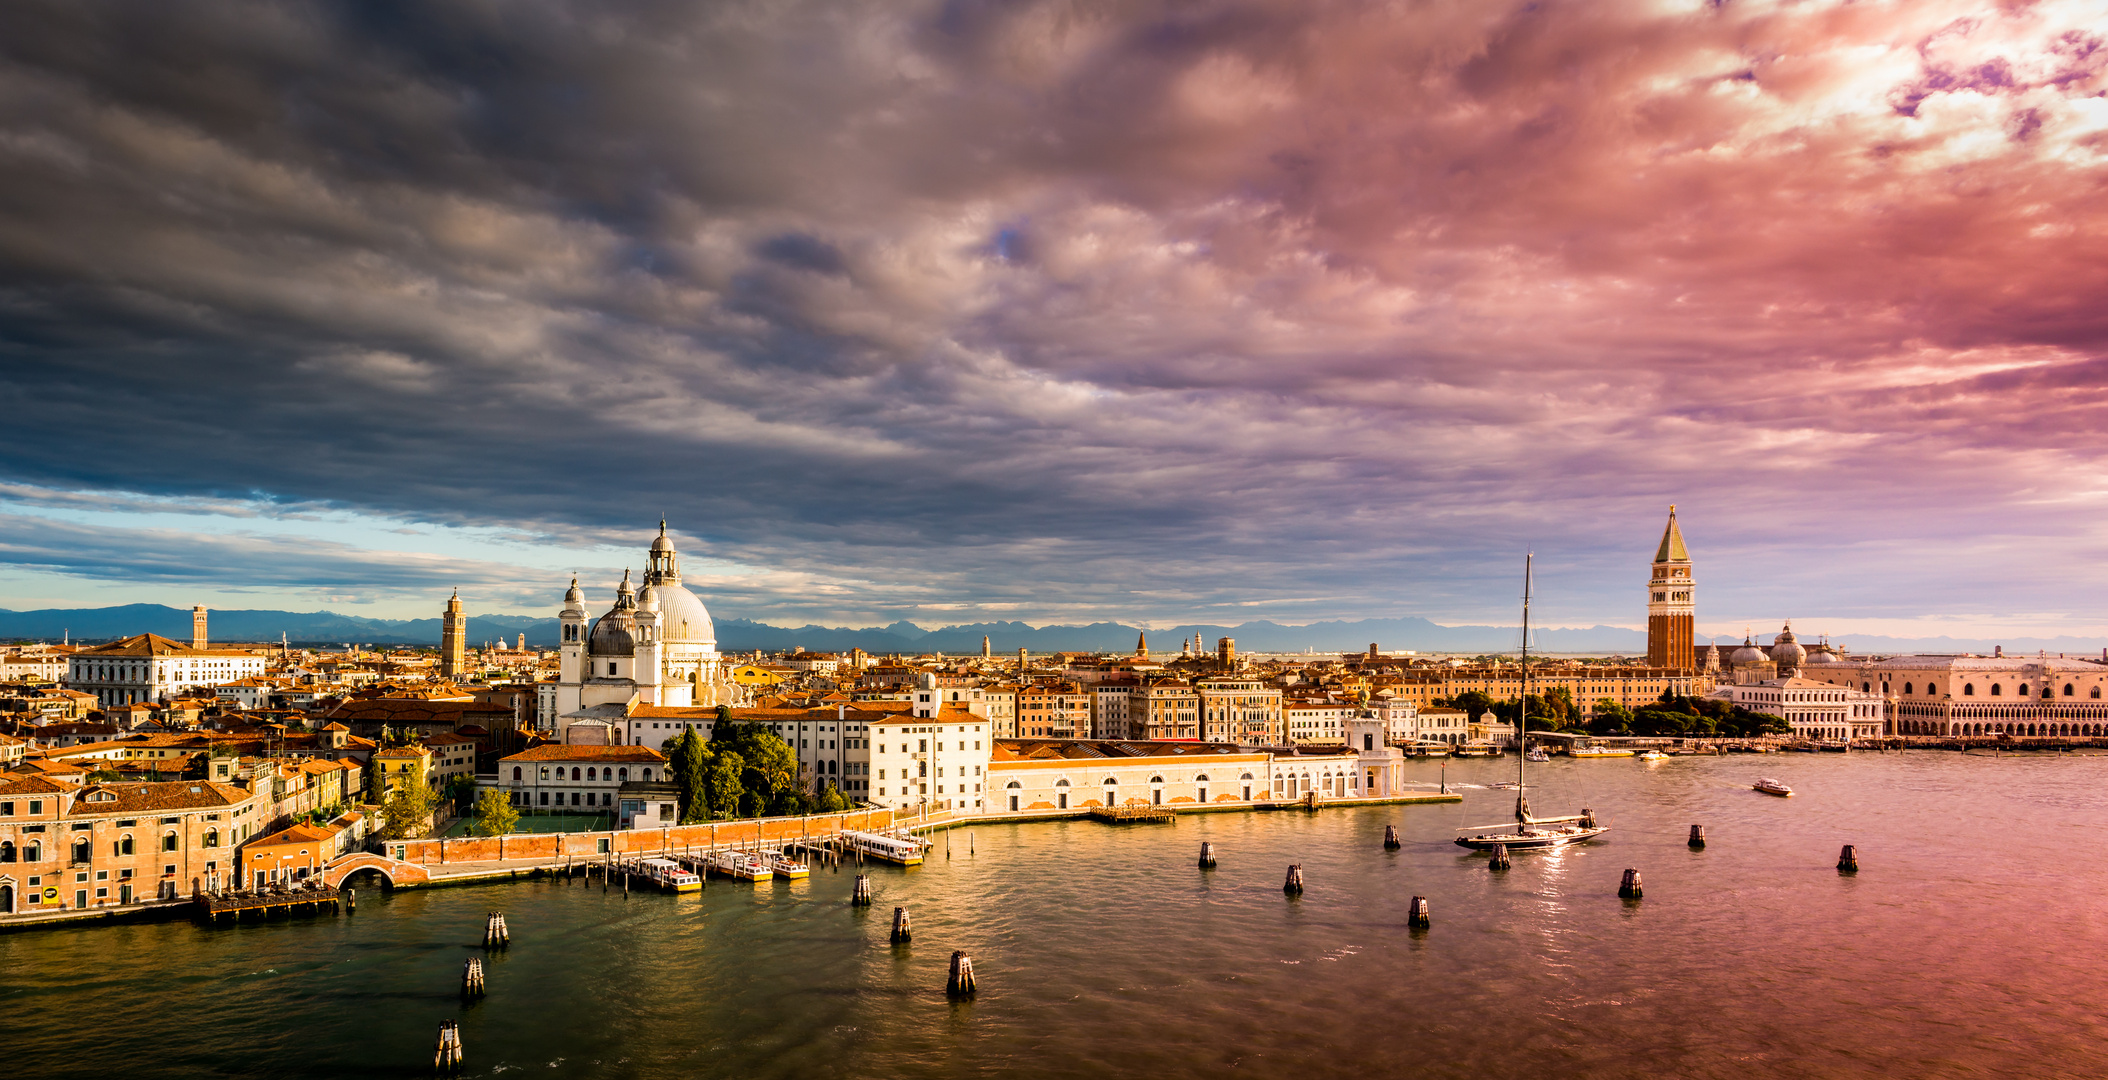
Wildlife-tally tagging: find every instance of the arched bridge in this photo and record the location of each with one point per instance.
(396, 871)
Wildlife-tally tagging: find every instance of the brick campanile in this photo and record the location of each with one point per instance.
(197, 627)
(1670, 611)
(453, 639)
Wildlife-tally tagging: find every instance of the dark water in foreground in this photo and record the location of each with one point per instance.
(1970, 945)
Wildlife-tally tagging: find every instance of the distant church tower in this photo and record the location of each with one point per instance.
(1142, 645)
(197, 627)
(453, 639)
(1670, 611)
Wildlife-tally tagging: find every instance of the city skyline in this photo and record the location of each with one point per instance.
(1187, 314)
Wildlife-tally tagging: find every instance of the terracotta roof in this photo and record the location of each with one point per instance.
(561, 752)
(297, 834)
(33, 785)
(173, 795)
(155, 645)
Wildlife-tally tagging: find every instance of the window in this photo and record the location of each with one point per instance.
(1906, 688)
(1994, 689)
(592, 774)
(2067, 689)
(168, 842)
(515, 774)
(1968, 689)
(212, 838)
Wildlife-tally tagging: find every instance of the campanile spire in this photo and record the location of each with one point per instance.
(1671, 613)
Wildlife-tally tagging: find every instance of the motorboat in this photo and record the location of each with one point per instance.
(1529, 831)
(784, 866)
(1772, 787)
(1478, 750)
(1654, 755)
(1538, 753)
(670, 875)
(1600, 752)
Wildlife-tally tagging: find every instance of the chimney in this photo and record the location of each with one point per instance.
(197, 627)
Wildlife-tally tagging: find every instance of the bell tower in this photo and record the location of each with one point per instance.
(453, 639)
(1671, 614)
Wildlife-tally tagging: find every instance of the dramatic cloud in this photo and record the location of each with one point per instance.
(1159, 311)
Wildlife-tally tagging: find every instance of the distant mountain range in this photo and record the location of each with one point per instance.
(742, 635)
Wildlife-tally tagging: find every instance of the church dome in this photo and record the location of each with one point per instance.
(1748, 654)
(611, 636)
(682, 618)
(1786, 651)
(574, 599)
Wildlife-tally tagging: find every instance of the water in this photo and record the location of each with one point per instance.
(1967, 946)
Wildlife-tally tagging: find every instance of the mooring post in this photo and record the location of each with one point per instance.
(1207, 855)
(472, 977)
(861, 897)
(446, 1054)
(351, 901)
(901, 934)
(1500, 860)
(1417, 916)
(1629, 889)
(960, 983)
(1294, 885)
(1848, 860)
(1390, 838)
(1697, 838)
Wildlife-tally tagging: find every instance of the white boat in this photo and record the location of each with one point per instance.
(1599, 752)
(1537, 753)
(1654, 755)
(893, 849)
(670, 875)
(1529, 831)
(784, 866)
(1772, 787)
(742, 865)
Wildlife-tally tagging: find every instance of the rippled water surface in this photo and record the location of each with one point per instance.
(1969, 945)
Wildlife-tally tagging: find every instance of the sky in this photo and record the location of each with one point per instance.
(1197, 311)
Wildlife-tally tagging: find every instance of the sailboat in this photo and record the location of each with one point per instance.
(1530, 831)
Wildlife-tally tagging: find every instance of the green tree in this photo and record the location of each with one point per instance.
(832, 801)
(1476, 702)
(462, 790)
(495, 815)
(406, 809)
(722, 783)
(689, 762)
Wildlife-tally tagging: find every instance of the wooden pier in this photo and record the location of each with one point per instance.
(217, 909)
(1132, 815)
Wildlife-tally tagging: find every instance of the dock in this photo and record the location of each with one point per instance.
(217, 909)
(1132, 815)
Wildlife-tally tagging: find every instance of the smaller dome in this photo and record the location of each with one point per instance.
(1748, 654)
(611, 636)
(662, 544)
(574, 599)
(648, 599)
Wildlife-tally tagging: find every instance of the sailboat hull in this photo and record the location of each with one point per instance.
(1530, 839)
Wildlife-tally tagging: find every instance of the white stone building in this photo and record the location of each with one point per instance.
(655, 646)
(151, 668)
(1815, 710)
(2039, 695)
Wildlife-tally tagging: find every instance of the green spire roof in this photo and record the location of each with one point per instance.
(1672, 549)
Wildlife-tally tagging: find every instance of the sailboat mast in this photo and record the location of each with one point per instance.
(1522, 712)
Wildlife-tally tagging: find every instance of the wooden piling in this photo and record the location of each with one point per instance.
(1294, 885)
(1207, 855)
(351, 901)
(446, 1054)
(472, 978)
(1390, 838)
(1848, 860)
(901, 934)
(1697, 838)
(1500, 859)
(1629, 889)
(1417, 916)
(861, 897)
(960, 983)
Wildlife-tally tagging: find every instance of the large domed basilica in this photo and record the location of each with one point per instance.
(655, 646)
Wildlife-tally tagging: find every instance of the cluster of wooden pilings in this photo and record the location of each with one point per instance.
(495, 935)
(446, 1055)
(472, 978)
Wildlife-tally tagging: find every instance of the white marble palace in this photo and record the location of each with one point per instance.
(655, 646)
